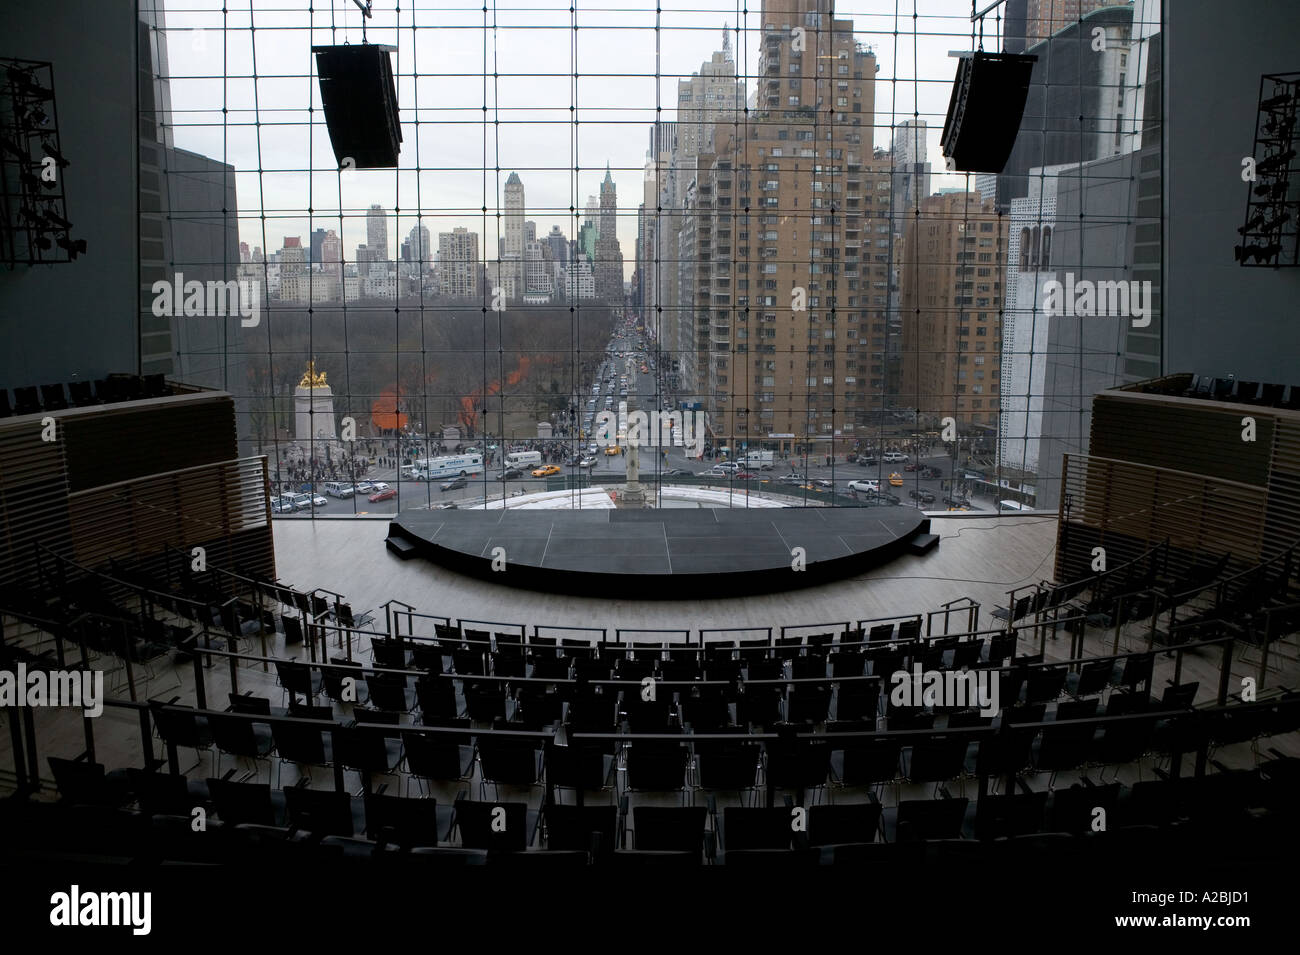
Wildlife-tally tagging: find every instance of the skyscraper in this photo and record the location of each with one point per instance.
(510, 251)
(609, 256)
(911, 170)
(421, 251)
(458, 263)
(953, 256)
(377, 233)
(781, 327)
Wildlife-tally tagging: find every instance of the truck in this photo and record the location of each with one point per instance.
(759, 460)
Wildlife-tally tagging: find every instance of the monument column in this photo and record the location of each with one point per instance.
(313, 406)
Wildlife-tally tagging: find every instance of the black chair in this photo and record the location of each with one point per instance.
(405, 822)
(657, 765)
(669, 829)
(79, 392)
(998, 817)
(237, 803)
(297, 678)
(809, 703)
(439, 757)
(798, 764)
(369, 751)
(302, 745)
(324, 812)
(514, 761)
(584, 828)
(727, 765)
(830, 825)
(756, 828)
(26, 401)
(580, 767)
(180, 726)
(239, 735)
(927, 819)
(52, 397)
(86, 783)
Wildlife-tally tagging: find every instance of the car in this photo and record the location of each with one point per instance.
(586, 462)
(453, 484)
(282, 505)
(745, 475)
(612, 450)
(931, 473)
(895, 479)
(922, 496)
(378, 485)
(912, 466)
(894, 457)
(956, 503)
(546, 470)
(677, 472)
(385, 495)
(867, 460)
(864, 487)
(509, 474)
(729, 466)
(364, 487)
(791, 478)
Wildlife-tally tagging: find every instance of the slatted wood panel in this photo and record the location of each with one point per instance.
(123, 441)
(1136, 505)
(1282, 518)
(123, 480)
(1184, 434)
(204, 507)
(33, 498)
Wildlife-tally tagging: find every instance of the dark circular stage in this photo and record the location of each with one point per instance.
(666, 553)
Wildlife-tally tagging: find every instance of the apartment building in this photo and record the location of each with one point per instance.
(953, 258)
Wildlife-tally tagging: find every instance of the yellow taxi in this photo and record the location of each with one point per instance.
(895, 479)
(612, 450)
(546, 470)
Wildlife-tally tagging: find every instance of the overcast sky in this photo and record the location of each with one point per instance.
(528, 123)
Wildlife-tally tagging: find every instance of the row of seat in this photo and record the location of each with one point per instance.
(847, 755)
(288, 821)
(79, 394)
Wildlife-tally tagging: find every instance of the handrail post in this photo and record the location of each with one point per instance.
(33, 760)
(126, 658)
(1119, 621)
(200, 693)
(1225, 673)
(17, 748)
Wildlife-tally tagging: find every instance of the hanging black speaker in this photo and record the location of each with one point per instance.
(360, 100)
(988, 102)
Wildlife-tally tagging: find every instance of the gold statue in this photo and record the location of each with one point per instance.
(311, 378)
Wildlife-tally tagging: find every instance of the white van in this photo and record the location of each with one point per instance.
(339, 489)
(521, 459)
(1013, 506)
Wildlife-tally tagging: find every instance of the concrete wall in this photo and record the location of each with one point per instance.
(1222, 318)
(78, 320)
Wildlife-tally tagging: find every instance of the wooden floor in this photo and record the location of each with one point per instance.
(980, 558)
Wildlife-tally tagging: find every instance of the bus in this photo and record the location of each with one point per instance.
(450, 465)
(521, 459)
